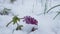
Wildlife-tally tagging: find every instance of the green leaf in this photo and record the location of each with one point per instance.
(19, 27)
(5, 11)
(15, 19)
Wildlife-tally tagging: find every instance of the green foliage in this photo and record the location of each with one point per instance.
(15, 19)
(19, 27)
(5, 11)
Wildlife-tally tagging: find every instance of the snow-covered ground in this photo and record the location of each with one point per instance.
(46, 24)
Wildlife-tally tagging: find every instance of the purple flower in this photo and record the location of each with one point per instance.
(30, 20)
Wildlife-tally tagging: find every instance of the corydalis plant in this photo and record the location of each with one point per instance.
(14, 20)
(30, 20)
(27, 19)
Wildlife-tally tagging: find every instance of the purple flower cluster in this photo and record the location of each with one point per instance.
(30, 20)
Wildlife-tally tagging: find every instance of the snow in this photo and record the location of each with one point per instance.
(46, 24)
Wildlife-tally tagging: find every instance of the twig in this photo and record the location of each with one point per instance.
(45, 7)
(53, 8)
